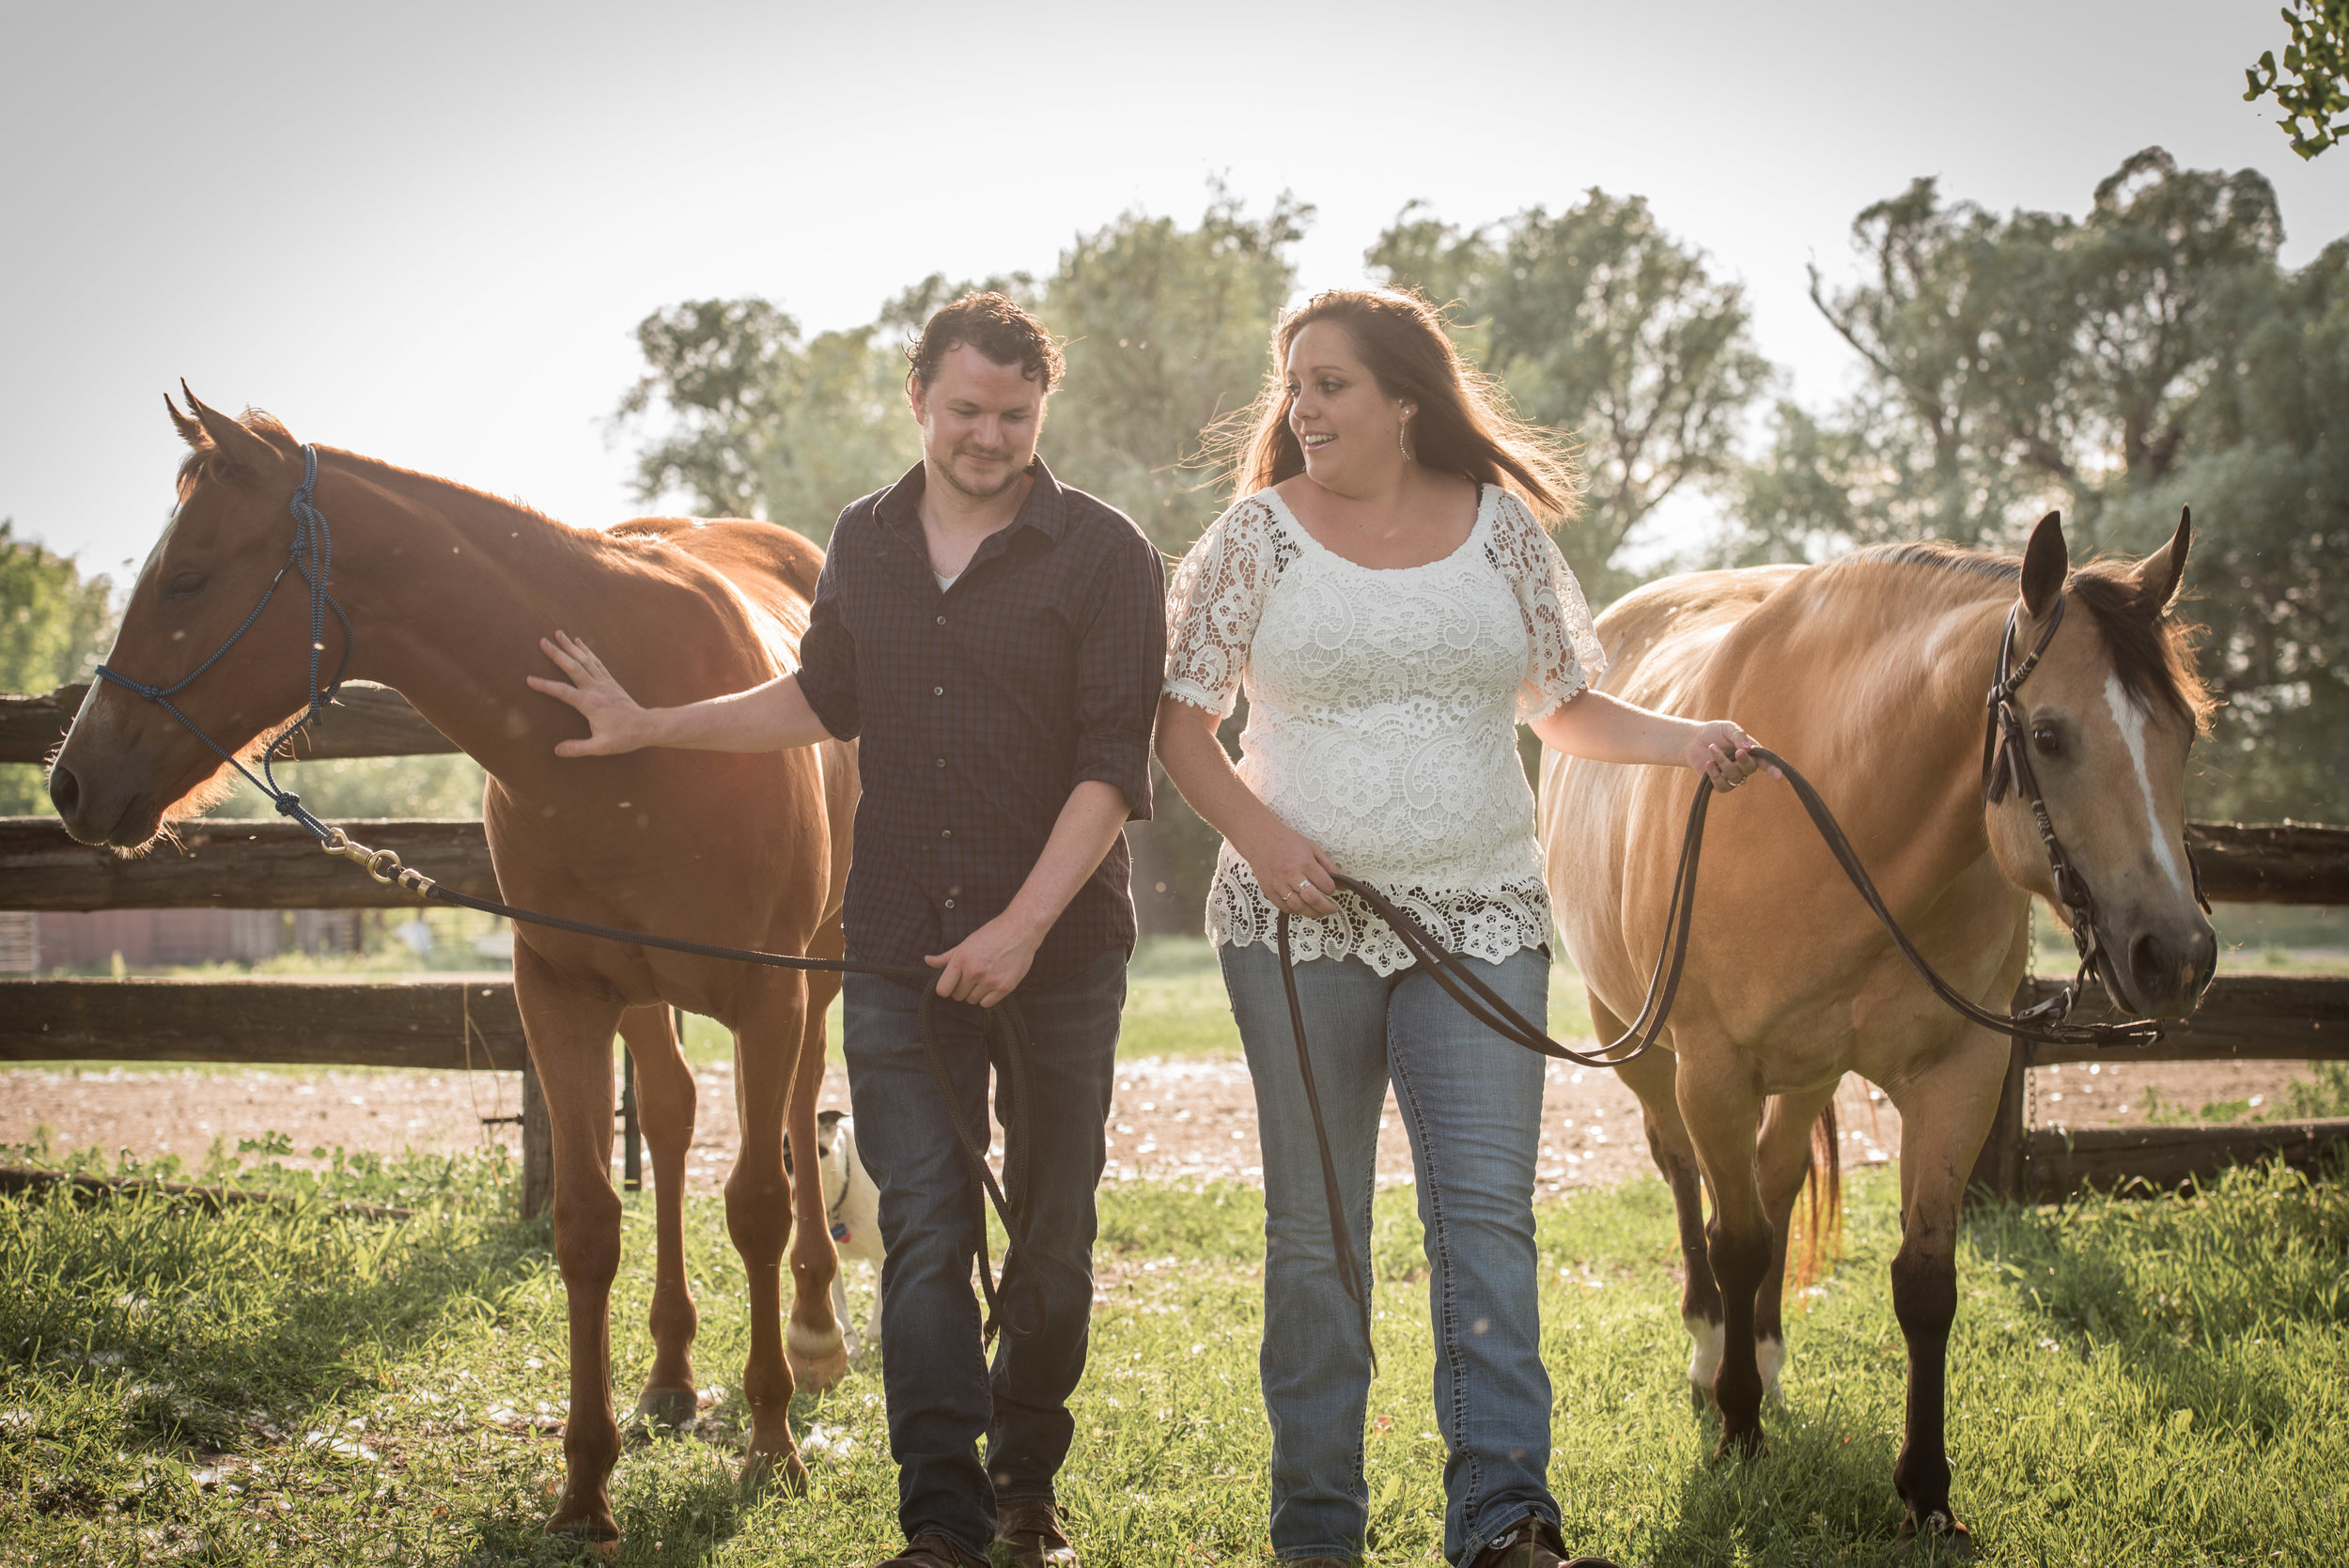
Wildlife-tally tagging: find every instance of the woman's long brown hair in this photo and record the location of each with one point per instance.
(1463, 424)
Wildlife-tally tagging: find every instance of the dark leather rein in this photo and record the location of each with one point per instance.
(2005, 765)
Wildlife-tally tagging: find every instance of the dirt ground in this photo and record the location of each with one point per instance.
(1174, 1118)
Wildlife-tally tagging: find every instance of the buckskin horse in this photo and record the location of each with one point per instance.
(1869, 672)
(447, 592)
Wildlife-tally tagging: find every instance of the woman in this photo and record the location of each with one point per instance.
(1383, 591)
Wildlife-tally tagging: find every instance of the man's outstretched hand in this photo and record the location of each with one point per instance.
(615, 722)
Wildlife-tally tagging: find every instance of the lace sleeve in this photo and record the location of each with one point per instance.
(1212, 606)
(1565, 652)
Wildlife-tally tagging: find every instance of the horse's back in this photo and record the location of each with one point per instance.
(772, 568)
(1660, 643)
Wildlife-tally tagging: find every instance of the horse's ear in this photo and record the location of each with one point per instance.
(2159, 574)
(2045, 562)
(190, 431)
(244, 456)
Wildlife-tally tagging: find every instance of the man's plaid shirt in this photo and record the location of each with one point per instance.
(978, 710)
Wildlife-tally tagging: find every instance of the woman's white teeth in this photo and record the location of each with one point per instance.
(1319, 441)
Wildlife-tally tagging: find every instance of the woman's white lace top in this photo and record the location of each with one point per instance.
(1382, 714)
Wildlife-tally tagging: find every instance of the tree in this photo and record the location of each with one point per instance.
(55, 627)
(2031, 362)
(1602, 326)
(2151, 355)
(768, 424)
(2312, 85)
(2264, 464)
(1167, 331)
(1959, 319)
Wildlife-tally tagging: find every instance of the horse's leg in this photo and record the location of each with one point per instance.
(813, 1339)
(570, 1029)
(1650, 1077)
(1785, 1160)
(767, 1038)
(665, 1106)
(1946, 1112)
(1723, 1109)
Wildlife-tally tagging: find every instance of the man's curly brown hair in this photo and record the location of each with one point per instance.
(996, 326)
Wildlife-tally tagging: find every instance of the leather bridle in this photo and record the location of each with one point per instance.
(2006, 765)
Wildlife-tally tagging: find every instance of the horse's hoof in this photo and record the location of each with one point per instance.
(662, 1412)
(817, 1360)
(1739, 1445)
(762, 1475)
(1939, 1539)
(598, 1531)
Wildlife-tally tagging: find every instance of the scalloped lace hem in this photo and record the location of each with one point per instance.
(1486, 925)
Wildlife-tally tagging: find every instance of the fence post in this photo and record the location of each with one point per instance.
(631, 1142)
(537, 1145)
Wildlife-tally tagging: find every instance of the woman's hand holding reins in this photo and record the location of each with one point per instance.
(615, 721)
(1721, 751)
(1292, 869)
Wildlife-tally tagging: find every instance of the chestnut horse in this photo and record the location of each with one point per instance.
(448, 591)
(1869, 675)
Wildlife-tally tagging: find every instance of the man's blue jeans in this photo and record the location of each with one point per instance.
(1472, 1102)
(942, 1395)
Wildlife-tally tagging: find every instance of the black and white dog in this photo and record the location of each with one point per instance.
(853, 1208)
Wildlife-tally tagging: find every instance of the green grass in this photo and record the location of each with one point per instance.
(2160, 1380)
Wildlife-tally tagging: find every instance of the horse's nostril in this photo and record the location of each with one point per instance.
(2147, 965)
(65, 792)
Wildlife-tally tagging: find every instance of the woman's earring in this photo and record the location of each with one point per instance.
(1400, 446)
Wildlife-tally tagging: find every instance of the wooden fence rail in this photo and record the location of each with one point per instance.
(223, 864)
(367, 721)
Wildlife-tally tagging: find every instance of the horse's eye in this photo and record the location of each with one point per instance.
(185, 583)
(2046, 740)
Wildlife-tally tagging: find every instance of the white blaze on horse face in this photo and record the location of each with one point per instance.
(2130, 721)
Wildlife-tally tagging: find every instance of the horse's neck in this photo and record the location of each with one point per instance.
(450, 591)
(1909, 724)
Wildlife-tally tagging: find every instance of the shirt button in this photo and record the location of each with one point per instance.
(941, 620)
(950, 903)
(942, 761)
(945, 832)
(937, 690)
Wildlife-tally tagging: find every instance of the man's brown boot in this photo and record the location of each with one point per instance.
(931, 1550)
(1533, 1542)
(1028, 1533)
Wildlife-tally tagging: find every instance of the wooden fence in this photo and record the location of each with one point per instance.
(453, 1025)
(445, 1025)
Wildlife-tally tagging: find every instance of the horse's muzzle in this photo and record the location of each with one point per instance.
(94, 816)
(2163, 973)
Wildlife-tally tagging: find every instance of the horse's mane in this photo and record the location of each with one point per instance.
(2152, 649)
(269, 427)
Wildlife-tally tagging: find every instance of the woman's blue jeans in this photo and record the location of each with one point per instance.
(1472, 1102)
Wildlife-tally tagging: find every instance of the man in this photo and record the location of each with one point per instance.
(997, 642)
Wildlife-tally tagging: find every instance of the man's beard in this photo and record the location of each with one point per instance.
(947, 472)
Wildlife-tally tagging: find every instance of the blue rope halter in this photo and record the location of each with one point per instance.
(311, 557)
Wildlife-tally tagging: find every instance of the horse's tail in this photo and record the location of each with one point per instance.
(1823, 1195)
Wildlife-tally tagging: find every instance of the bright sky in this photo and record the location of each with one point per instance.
(427, 231)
